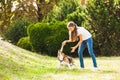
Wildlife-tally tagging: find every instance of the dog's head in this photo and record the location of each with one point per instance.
(60, 55)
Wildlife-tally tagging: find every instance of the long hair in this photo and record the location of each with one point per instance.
(74, 32)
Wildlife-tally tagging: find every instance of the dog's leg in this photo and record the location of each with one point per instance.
(75, 65)
(68, 65)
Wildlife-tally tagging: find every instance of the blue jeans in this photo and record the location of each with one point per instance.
(89, 43)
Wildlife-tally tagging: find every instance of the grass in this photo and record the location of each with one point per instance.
(19, 64)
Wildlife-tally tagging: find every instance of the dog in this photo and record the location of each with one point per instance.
(65, 60)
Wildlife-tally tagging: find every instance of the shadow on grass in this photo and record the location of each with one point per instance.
(107, 71)
(72, 71)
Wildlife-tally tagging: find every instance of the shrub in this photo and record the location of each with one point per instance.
(17, 30)
(25, 43)
(58, 34)
(47, 38)
(37, 33)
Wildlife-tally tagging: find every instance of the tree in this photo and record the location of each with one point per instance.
(5, 14)
(104, 19)
(21, 9)
(26, 9)
(61, 10)
(35, 10)
(44, 7)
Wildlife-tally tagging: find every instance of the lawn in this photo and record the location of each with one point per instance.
(19, 64)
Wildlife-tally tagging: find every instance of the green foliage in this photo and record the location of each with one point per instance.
(44, 7)
(77, 16)
(47, 37)
(25, 43)
(58, 34)
(17, 30)
(61, 10)
(37, 33)
(104, 19)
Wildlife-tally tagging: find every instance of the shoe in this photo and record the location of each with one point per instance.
(82, 68)
(95, 69)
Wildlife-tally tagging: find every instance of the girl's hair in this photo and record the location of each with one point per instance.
(74, 32)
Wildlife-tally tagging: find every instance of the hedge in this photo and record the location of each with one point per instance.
(17, 30)
(47, 37)
(25, 43)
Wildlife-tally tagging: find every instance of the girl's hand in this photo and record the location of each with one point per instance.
(73, 49)
(64, 43)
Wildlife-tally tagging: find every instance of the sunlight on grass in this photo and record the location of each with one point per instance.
(45, 68)
(19, 64)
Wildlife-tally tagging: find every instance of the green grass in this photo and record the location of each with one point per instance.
(19, 64)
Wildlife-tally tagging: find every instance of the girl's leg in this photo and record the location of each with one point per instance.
(80, 53)
(90, 49)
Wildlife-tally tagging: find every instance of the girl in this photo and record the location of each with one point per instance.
(85, 38)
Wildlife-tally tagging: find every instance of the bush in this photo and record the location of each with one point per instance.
(58, 34)
(47, 38)
(25, 43)
(17, 30)
(37, 33)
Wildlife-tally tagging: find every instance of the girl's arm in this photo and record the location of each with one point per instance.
(80, 41)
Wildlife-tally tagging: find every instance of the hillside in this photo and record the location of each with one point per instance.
(20, 64)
